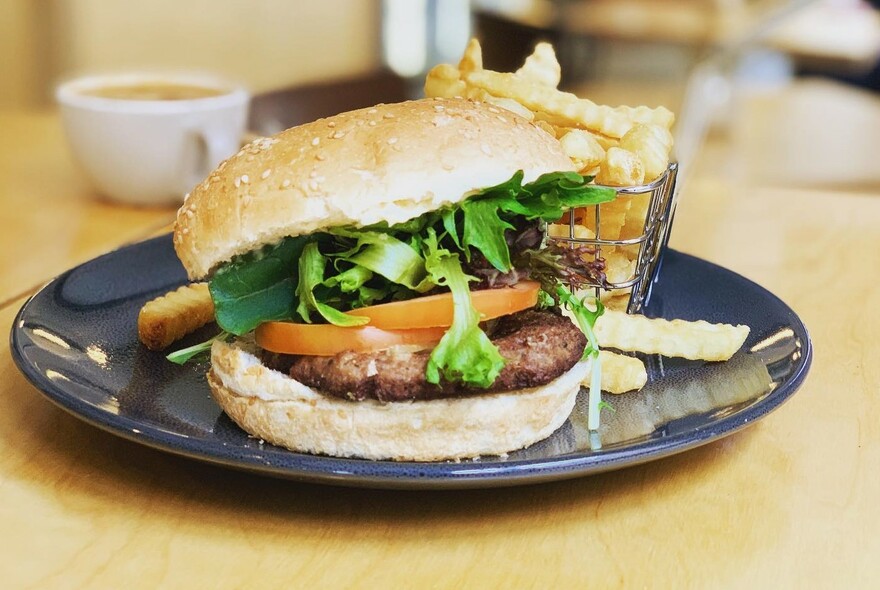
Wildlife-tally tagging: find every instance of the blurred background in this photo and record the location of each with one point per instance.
(308, 59)
(274, 44)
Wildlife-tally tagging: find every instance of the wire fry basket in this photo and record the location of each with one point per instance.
(641, 251)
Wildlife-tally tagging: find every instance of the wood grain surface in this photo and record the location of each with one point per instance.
(790, 502)
(50, 217)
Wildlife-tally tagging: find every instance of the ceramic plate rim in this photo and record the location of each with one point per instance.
(427, 475)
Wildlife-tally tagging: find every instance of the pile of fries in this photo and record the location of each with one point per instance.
(620, 146)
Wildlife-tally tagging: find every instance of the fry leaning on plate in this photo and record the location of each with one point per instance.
(383, 280)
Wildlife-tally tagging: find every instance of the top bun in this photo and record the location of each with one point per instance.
(390, 163)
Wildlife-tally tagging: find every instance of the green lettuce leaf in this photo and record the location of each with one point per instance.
(311, 275)
(389, 257)
(584, 316)
(488, 214)
(484, 230)
(464, 354)
(350, 280)
(257, 287)
(184, 355)
(586, 320)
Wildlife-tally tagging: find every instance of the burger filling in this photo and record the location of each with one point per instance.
(333, 281)
(537, 345)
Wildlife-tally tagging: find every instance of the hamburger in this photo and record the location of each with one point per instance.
(384, 286)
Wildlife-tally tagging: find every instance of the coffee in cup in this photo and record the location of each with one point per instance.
(155, 90)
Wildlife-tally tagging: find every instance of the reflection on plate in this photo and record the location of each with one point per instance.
(76, 341)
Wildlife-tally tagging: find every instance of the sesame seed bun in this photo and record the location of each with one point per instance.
(284, 412)
(388, 163)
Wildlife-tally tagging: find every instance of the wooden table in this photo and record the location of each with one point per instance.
(791, 502)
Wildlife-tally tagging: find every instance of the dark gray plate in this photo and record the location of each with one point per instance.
(76, 341)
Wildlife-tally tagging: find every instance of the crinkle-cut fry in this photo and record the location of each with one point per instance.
(620, 168)
(547, 127)
(172, 316)
(511, 105)
(563, 126)
(444, 81)
(698, 340)
(541, 66)
(652, 144)
(615, 299)
(472, 58)
(612, 216)
(618, 267)
(634, 226)
(620, 373)
(583, 149)
(611, 121)
(563, 230)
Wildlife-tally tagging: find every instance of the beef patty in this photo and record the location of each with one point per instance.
(538, 346)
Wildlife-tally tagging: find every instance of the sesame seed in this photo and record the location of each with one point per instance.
(389, 115)
(502, 119)
(448, 167)
(244, 178)
(286, 183)
(372, 123)
(246, 200)
(439, 107)
(264, 143)
(392, 140)
(237, 181)
(250, 158)
(320, 157)
(313, 173)
(372, 111)
(189, 213)
(494, 110)
(266, 173)
(331, 124)
(313, 185)
(184, 231)
(316, 141)
(338, 135)
(185, 197)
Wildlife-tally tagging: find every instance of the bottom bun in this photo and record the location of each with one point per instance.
(280, 410)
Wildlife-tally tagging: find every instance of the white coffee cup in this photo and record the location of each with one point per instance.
(151, 149)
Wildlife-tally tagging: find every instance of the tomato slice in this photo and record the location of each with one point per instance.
(421, 321)
(437, 310)
(327, 340)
